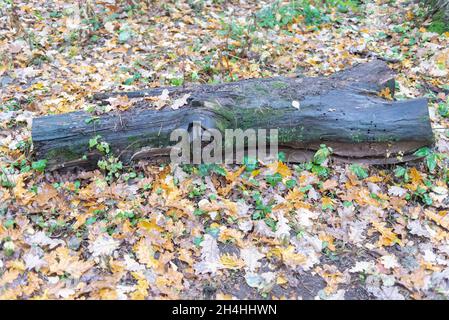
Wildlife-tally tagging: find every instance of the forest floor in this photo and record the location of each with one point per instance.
(276, 231)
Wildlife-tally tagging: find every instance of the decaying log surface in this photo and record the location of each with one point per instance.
(342, 111)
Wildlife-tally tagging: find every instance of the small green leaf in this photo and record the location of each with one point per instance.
(290, 183)
(424, 151)
(271, 223)
(399, 171)
(282, 157)
(39, 165)
(358, 171)
(322, 154)
(124, 36)
(274, 179)
(431, 161)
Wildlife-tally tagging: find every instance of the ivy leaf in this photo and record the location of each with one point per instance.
(358, 171)
(124, 36)
(322, 154)
(431, 161)
(39, 165)
(399, 172)
(219, 170)
(422, 152)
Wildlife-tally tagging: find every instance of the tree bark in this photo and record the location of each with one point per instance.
(342, 111)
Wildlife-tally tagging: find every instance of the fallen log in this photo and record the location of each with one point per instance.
(343, 111)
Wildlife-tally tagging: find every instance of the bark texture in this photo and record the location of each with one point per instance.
(343, 111)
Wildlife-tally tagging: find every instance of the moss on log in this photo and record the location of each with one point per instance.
(343, 111)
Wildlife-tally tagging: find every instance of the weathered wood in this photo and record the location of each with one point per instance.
(343, 111)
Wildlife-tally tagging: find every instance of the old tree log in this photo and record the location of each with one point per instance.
(343, 111)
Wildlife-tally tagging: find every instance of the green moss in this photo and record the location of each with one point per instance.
(279, 85)
(439, 25)
(260, 88)
(286, 135)
(65, 154)
(385, 138)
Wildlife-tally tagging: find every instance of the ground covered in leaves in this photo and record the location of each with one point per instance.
(316, 230)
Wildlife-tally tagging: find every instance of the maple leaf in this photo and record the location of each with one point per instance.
(386, 93)
(281, 168)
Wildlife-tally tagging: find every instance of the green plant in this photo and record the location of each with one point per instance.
(208, 168)
(432, 158)
(197, 191)
(39, 165)
(250, 163)
(421, 193)
(274, 179)
(438, 24)
(109, 163)
(443, 109)
(112, 166)
(319, 158)
(261, 209)
(359, 171)
(401, 172)
(322, 154)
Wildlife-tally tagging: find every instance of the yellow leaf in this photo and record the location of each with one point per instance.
(9, 276)
(142, 286)
(281, 168)
(149, 225)
(231, 176)
(326, 202)
(223, 296)
(281, 280)
(388, 237)
(291, 258)
(386, 93)
(329, 240)
(374, 179)
(441, 218)
(415, 176)
(231, 261)
(107, 294)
